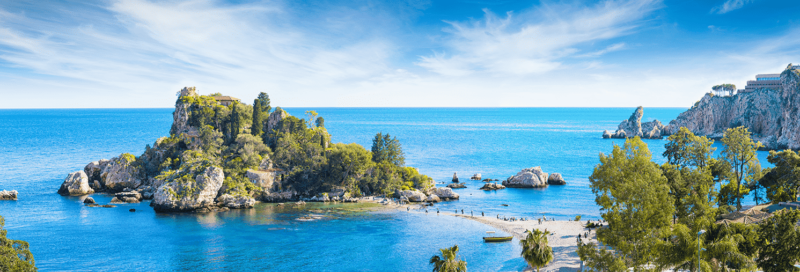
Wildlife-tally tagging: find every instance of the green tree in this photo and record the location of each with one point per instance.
(781, 241)
(600, 259)
(740, 152)
(236, 121)
(14, 254)
(312, 115)
(386, 148)
(535, 249)
(347, 163)
(263, 101)
(449, 262)
(729, 194)
(785, 175)
(320, 122)
(634, 199)
(258, 119)
(686, 149)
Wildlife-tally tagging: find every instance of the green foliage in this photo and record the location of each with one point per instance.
(348, 163)
(600, 259)
(782, 181)
(15, 255)
(246, 152)
(780, 237)
(686, 149)
(577, 218)
(449, 262)
(320, 122)
(634, 199)
(740, 152)
(729, 194)
(387, 149)
(128, 157)
(535, 249)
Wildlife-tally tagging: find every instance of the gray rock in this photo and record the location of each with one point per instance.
(532, 177)
(236, 202)
(89, 200)
(191, 196)
(412, 195)
(274, 118)
(556, 179)
(634, 127)
(116, 200)
(492, 187)
(455, 177)
(129, 197)
(266, 163)
(263, 179)
(444, 193)
(284, 196)
(433, 198)
(180, 118)
(120, 173)
(476, 176)
(75, 184)
(457, 185)
(8, 195)
(93, 171)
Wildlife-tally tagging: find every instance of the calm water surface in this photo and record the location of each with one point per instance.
(39, 147)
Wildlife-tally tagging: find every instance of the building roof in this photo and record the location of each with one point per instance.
(768, 75)
(225, 98)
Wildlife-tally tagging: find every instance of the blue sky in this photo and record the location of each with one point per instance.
(139, 53)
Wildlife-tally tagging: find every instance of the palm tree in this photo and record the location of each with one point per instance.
(449, 261)
(535, 250)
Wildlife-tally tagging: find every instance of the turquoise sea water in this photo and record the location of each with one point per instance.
(39, 147)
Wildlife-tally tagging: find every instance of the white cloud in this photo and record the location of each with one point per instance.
(729, 5)
(536, 41)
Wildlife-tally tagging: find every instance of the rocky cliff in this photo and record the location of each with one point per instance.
(772, 116)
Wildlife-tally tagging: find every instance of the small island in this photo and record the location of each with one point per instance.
(224, 154)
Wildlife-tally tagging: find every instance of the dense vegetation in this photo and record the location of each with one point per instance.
(14, 254)
(238, 137)
(449, 261)
(658, 215)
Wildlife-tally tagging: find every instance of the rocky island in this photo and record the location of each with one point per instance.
(224, 154)
(633, 127)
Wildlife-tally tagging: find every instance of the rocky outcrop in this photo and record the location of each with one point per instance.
(772, 116)
(433, 199)
(411, 195)
(281, 196)
(444, 193)
(89, 200)
(180, 118)
(556, 179)
(8, 195)
(183, 196)
(532, 177)
(492, 187)
(457, 185)
(634, 127)
(93, 171)
(274, 118)
(263, 179)
(476, 176)
(121, 173)
(75, 184)
(236, 202)
(455, 177)
(128, 197)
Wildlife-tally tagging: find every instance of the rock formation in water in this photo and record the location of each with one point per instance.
(8, 195)
(476, 176)
(556, 179)
(773, 116)
(634, 127)
(492, 187)
(178, 196)
(75, 184)
(532, 177)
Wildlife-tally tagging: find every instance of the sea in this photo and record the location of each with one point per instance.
(39, 147)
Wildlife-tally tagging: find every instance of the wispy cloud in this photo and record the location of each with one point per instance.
(730, 5)
(610, 48)
(536, 40)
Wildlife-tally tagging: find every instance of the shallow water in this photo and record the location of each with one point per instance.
(39, 147)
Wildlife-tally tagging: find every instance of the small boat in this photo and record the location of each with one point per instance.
(491, 239)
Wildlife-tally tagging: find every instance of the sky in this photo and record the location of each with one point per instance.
(415, 53)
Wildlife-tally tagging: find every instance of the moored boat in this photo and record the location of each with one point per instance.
(491, 239)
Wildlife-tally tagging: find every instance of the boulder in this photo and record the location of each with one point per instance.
(455, 177)
(263, 179)
(492, 187)
(187, 196)
(129, 197)
(476, 176)
(433, 198)
(116, 200)
(532, 177)
(556, 179)
(277, 196)
(412, 195)
(89, 200)
(444, 193)
(236, 202)
(75, 184)
(121, 173)
(8, 195)
(457, 185)
(93, 171)
(606, 134)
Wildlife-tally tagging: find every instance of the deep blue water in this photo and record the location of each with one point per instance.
(39, 147)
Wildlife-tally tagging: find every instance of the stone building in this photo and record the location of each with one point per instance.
(226, 100)
(768, 81)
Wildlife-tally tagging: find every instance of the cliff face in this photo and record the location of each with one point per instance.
(772, 116)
